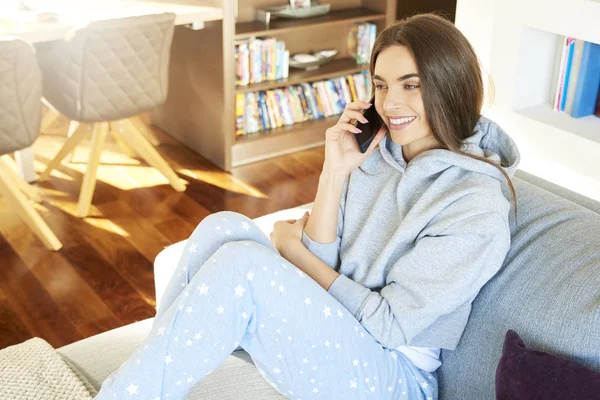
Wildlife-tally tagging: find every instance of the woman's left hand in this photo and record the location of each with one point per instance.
(286, 232)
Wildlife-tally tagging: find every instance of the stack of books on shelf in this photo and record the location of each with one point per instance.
(263, 110)
(578, 82)
(361, 41)
(261, 59)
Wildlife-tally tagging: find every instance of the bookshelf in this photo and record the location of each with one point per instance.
(200, 107)
(517, 42)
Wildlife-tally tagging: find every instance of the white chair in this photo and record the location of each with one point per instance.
(103, 76)
(20, 100)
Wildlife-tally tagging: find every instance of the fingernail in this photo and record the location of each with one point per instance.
(364, 120)
(356, 130)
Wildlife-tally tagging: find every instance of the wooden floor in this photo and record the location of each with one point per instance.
(102, 278)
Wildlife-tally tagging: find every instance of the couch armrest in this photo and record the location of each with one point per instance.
(165, 264)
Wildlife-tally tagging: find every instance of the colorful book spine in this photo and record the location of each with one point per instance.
(280, 54)
(366, 75)
(273, 105)
(263, 112)
(323, 96)
(284, 107)
(294, 107)
(372, 37)
(315, 94)
(565, 86)
(251, 116)
(353, 92)
(304, 103)
(574, 76)
(346, 90)
(359, 85)
(334, 98)
(340, 91)
(240, 128)
(588, 83)
(270, 114)
(312, 101)
(243, 64)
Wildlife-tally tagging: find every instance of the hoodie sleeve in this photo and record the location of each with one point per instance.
(437, 276)
(329, 253)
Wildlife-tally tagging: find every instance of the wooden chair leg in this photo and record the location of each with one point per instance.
(9, 168)
(27, 212)
(116, 130)
(138, 124)
(48, 119)
(149, 153)
(73, 127)
(70, 144)
(89, 180)
(25, 160)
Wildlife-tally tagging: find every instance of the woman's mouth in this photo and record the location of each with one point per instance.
(400, 123)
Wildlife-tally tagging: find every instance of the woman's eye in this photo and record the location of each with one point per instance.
(379, 86)
(411, 87)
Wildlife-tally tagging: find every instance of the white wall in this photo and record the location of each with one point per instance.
(516, 42)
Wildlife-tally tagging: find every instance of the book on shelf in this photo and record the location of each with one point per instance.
(578, 80)
(588, 82)
(264, 110)
(361, 40)
(260, 59)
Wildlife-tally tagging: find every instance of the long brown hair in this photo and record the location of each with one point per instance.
(450, 77)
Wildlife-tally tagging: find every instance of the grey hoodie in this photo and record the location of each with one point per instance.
(416, 242)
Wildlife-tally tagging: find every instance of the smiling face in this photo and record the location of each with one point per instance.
(399, 101)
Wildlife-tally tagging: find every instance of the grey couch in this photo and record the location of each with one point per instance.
(548, 290)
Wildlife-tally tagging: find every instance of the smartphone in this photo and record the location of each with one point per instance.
(369, 130)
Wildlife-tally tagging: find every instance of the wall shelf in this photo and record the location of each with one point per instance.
(586, 127)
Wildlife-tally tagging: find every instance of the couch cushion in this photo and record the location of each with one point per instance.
(547, 290)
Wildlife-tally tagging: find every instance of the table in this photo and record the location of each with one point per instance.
(47, 21)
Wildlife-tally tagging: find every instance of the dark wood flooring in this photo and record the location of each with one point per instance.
(102, 278)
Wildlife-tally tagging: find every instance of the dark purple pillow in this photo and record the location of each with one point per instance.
(525, 374)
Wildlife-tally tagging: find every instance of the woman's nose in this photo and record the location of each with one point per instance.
(393, 101)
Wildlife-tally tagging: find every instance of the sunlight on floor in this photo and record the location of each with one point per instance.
(107, 225)
(125, 173)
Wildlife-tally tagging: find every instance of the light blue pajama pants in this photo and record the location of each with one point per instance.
(232, 288)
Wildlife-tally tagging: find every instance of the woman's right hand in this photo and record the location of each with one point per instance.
(342, 154)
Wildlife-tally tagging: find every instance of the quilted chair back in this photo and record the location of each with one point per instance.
(111, 69)
(20, 95)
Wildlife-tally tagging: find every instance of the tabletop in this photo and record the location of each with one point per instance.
(43, 20)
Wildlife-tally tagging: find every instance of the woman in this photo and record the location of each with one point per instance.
(357, 299)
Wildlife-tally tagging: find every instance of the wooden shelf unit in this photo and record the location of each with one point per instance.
(200, 108)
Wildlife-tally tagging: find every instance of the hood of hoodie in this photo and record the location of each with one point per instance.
(488, 140)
